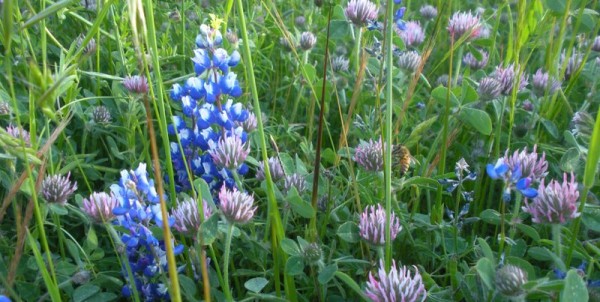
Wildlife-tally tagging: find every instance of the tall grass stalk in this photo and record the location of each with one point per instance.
(277, 231)
(389, 94)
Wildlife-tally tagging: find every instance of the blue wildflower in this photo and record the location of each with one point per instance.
(512, 179)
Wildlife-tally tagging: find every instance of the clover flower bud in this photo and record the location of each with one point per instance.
(395, 285)
(428, 12)
(542, 82)
(136, 84)
(20, 133)
(510, 279)
(295, 181)
(236, 206)
(340, 64)
(596, 44)
(312, 253)
(275, 168)
(372, 225)
(5, 108)
(470, 60)
(187, 217)
(489, 89)
(443, 80)
(370, 155)
(307, 40)
(360, 12)
(99, 206)
(463, 23)
(583, 125)
(409, 61)
(531, 164)
(57, 188)
(101, 115)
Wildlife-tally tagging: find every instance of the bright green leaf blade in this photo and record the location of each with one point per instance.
(575, 288)
(478, 119)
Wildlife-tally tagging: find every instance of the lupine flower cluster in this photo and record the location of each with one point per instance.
(397, 285)
(214, 139)
(137, 212)
(372, 225)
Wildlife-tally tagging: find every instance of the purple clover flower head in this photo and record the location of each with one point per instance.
(489, 89)
(340, 64)
(574, 62)
(428, 12)
(512, 179)
(372, 225)
(443, 80)
(555, 202)
(510, 280)
(237, 207)
(187, 216)
(99, 206)
(409, 61)
(136, 84)
(507, 76)
(370, 155)
(583, 125)
(464, 23)
(596, 44)
(249, 125)
(360, 12)
(531, 166)
(230, 152)
(275, 168)
(412, 34)
(396, 285)
(470, 60)
(19, 133)
(58, 189)
(307, 40)
(295, 181)
(5, 108)
(542, 82)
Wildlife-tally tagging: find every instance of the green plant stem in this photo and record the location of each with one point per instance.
(226, 289)
(61, 236)
(389, 63)
(557, 240)
(116, 240)
(277, 233)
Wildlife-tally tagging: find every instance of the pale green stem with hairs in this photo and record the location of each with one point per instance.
(226, 289)
(277, 232)
(556, 238)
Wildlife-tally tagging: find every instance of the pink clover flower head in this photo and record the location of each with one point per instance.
(531, 164)
(360, 12)
(412, 34)
(372, 225)
(187, 217)
(369, 155)
(237, 207)
(229, 152)
(463, 23)
(397, 285)
(136, 84)
(99, 206)
(556, 203)
(57, 188)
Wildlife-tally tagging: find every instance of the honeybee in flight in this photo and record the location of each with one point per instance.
(401, 159)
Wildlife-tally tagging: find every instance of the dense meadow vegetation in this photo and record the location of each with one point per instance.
(326, 150)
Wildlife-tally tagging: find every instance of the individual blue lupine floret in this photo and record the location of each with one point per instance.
(512, 179)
